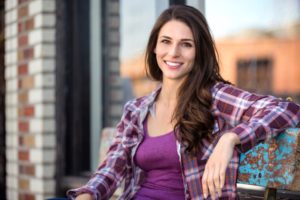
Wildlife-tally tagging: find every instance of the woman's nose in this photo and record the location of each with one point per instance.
(174, 51)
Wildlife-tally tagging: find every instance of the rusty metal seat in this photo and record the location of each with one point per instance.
(274, 165)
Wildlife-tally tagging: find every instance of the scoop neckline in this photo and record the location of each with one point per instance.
(145, 125)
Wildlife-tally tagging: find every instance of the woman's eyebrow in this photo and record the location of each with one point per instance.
(187, 40)
(166, 37)
(184, 39)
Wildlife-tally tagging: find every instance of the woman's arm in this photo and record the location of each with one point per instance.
(253, 118)
(110, 172)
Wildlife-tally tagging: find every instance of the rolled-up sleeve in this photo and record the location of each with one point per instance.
(254, 117)
(110, 173)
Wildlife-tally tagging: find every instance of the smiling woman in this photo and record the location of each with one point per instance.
(183, 140)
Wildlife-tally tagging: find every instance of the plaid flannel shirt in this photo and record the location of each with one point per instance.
(252, 117)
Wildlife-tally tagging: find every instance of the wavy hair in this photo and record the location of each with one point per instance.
(192, 115)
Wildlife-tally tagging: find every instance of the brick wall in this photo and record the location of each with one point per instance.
(30, 98)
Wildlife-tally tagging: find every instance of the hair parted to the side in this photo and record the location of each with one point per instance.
(193, 117)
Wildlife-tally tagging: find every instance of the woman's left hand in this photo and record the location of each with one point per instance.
(213, 178)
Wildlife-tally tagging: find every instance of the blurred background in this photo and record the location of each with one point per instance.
(68, 66)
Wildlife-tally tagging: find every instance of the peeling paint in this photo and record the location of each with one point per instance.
(273, 164)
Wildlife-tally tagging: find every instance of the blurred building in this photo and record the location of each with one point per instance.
(263, 61)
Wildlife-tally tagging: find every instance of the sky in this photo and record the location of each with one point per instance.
(231, 16)
(224, 17)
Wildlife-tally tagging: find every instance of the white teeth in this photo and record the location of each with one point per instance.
(173, 64)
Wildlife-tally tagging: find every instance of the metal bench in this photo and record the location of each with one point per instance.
(273, 165)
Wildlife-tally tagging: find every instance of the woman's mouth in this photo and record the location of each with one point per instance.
(173, 65)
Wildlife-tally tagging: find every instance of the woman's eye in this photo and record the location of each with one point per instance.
(165, 41)
(186, 44)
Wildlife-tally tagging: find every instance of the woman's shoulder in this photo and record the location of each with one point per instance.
(141, 102)
(226, 88)
(135, 103)
(221, 87)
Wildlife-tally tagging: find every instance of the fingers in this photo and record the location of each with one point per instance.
(208, 183)
(217, 181)
(204, 184)
(222, 178)
(213, 181)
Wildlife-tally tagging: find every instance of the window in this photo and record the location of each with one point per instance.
(255, 74)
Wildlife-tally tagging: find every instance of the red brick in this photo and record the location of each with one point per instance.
(26, 83)
(28, 169)
(25, 54)
(23, 184)
(20, 55)
(29, 141)
(29, 24)
(23, 126)
(26, 196)
(29, 111)
(23, 12)
(26, 111)
(21, 27)
(23, 155)
(19, 84)
(21, 141)
(28, 53)
(23, 69)
(23, 40)
(21, 111)
(23, 97)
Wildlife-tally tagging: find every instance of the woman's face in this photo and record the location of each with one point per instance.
(175, 50)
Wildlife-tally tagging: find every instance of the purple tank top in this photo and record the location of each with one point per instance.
(158, 157)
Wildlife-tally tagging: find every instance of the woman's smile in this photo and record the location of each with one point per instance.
(173, 65)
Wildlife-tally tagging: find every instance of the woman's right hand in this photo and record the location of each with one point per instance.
(85, 196)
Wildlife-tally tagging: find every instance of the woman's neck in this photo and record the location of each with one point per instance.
(169, 93)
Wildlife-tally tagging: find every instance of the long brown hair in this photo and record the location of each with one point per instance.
(194, 120)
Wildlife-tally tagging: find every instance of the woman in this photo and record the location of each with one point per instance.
(183, 140)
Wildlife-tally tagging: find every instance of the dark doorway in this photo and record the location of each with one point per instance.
(72, 89)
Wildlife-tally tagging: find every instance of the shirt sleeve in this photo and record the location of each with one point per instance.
(111, 171)
(254, 117)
